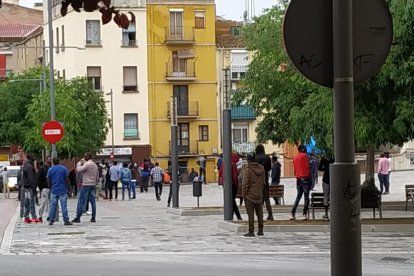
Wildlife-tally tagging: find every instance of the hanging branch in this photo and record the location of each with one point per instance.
(103, 6)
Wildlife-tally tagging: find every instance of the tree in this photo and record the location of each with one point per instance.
(82, 112)
(295, 109)
(15, 96)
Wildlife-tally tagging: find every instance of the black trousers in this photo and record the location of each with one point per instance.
(158, 189)
(143, 184)
(235, 208)
(113, 184)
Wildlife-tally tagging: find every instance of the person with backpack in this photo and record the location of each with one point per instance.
(126, 178)
(29, 186)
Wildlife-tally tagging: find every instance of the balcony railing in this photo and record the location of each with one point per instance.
(179, 35)
(131, 134)
(129, 3)
(243, 113)
(173, 73)
(186, 147)
(185, 111)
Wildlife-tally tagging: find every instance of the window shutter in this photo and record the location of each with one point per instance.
(94, 71)
(130, 76)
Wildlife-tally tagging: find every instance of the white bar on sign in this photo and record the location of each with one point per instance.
(52, 132)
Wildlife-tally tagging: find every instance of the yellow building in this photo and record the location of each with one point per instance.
(182, 62)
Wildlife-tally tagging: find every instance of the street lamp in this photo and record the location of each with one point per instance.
(112, 119)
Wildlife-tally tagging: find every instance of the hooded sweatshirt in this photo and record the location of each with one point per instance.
(234, 175)
(253, 181)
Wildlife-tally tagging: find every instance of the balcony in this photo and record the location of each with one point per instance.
(186, 147)
(243, 113)
(185, 73)
(131, 134)
(178, 35)
(238, 71)
(247, 147)
(189, 111)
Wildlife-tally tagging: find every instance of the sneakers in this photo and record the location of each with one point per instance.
(325, 217)
(260, 233)
(40, 220)
(305, 217)
(240, 218)
(88, 213)
(248, 235)
(292, 217)
(68, 223)
(270, 218)
(93, 220)
(27, 220)
(76, 220)
(51, 222)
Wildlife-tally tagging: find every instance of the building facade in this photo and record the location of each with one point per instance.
(181, 55)
(115, 61)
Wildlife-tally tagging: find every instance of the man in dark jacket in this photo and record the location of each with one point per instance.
(324, 167)
(44, 188)
(275, 175)
(29, 186)
(253, 182)
(264, 160)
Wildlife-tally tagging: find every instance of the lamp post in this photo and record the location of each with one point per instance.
(112, 120)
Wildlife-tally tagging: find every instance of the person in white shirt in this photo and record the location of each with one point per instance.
(6, 189)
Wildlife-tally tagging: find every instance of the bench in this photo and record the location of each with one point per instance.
(409, 195)
(372, 201)
(277, 191)
(316, 202)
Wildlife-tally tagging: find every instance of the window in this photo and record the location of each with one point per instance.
(129, 36)
(57, 40)
(131, 126)
(176, 24)
(240, 133)
(200, 19)
(181, 93)
(93, 32)
(94, 76)
(203, 133)
(130, 79)
(64, 74)
(63, 38)
(179, 65)
(236, 31)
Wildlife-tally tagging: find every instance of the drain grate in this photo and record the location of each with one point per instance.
(65, 233)
(394, 259)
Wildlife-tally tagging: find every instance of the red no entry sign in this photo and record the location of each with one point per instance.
(52, 131)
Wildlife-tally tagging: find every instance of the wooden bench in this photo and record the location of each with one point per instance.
(372, 201)
(409, 195)
(316, 202)
(277, 191)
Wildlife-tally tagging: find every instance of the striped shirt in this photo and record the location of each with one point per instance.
(157, 173)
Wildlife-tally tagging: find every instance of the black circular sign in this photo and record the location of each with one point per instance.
(307, 32)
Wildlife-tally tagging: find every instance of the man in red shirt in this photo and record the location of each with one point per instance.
(302, 174)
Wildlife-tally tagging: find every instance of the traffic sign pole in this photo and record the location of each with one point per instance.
(345, 200)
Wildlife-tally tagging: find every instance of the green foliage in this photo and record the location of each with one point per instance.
(82, 112)
(294, 109)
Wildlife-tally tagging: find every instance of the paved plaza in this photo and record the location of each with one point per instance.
(142, 232)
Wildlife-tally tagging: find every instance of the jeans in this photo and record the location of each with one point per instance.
(63, 198)
(29, 203)
(203, 174)
(133, 186)
(126, 185)
(384, 181)
(302, 187)
(158, 189)
(252, 207)
(44, 201)
(86, 192)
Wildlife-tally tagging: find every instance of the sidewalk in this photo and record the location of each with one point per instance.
(143, 225)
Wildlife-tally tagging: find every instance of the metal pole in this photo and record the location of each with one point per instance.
(228, 191)
(112, 121)
(52, 70)
(44, 65)
(345, 177)
(174, 152)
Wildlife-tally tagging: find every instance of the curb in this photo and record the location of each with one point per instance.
(369, 228)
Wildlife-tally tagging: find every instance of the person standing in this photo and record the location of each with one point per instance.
(313, 166)
(90, 176)
(202, 163)
(126, 178)
(193, 174)
(58, 180)
(72, 181)
(44, 187)
(324, 167)
(102, 175)
(115, 174)
(275, 174)
(252, 186)
(234, 183)
(302, 174)
(383, 166)
(5, 176)
(145, 175)
(265, 161)
(29, 186)
(157, 173)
